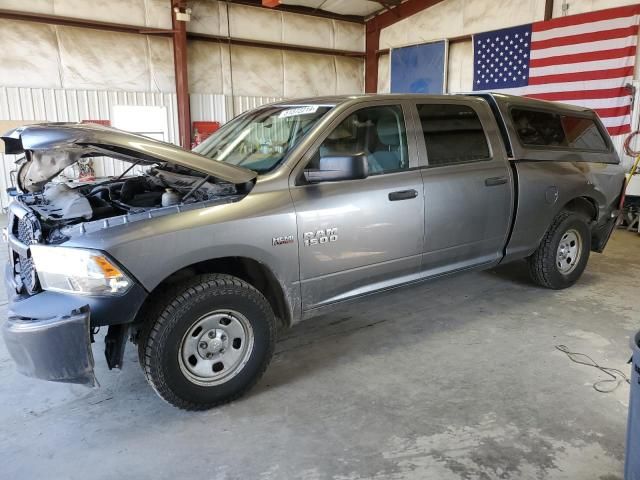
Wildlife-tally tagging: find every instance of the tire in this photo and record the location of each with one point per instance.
(230, 317)
(556, 263)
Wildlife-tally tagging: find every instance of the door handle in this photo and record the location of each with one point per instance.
(493, 181)
(403, 195)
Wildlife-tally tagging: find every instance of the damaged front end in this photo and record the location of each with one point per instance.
(58, 295)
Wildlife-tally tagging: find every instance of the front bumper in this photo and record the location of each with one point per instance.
(56, 349)
(48, 334)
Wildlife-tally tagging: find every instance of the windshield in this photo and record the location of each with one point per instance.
(262, 138)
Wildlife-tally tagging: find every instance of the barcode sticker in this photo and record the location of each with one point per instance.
(294, 112)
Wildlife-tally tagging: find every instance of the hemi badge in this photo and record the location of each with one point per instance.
(282, 240)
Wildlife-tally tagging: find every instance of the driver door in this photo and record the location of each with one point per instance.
(359, 236)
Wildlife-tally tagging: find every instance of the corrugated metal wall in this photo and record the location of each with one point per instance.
(223, 108)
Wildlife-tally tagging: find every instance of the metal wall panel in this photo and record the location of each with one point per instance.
(221, 108)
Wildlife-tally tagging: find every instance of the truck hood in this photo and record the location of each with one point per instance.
(50, 148)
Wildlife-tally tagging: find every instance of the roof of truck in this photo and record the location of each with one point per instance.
(511, 99)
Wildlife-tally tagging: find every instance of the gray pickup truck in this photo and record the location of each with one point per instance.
(286, 212)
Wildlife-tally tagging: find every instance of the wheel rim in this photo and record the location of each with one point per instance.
(216, 347)
(569, 251)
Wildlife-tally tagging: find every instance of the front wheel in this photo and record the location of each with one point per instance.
(563, 252)
(211, 342)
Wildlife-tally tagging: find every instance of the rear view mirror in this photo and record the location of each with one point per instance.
(336, 168)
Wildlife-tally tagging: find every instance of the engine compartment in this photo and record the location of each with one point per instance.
(63, 204)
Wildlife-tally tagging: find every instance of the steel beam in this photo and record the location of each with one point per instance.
(372, 42)
(313, 12)
(181, 74)
(273, 45)
(548, 9)
(80, 22)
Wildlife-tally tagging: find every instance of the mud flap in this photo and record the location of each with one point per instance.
(602, 233)
(56, 349)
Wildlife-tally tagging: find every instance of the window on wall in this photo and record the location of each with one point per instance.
(452, 134)
(546, 129)
(378, 132)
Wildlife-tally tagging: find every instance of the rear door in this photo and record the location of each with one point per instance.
(358, 236)
(467, 183)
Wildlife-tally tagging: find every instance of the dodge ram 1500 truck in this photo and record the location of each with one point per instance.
(284, 213)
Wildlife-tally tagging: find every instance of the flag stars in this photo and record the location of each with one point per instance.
(502, 59)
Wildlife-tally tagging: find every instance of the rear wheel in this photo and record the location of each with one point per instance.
(210, 343)
(563, 252)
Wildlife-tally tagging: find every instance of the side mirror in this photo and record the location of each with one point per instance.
(336, 168)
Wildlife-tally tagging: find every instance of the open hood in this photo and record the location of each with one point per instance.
(50, 148)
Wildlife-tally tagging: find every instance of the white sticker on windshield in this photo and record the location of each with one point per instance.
(294, 112)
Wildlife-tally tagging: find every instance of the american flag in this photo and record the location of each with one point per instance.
(585, 60)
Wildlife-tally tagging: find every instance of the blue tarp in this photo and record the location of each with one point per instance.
(418, 68)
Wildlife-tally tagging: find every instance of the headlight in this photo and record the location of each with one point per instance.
(75, 270)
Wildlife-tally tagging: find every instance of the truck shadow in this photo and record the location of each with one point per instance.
(400, 319)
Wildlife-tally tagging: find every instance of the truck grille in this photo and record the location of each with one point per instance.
(26, 228)
(27, 235)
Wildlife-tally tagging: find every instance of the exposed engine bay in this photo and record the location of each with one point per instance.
(60, 205)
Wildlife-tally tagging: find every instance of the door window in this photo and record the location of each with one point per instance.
(377, 132)
(452, 134)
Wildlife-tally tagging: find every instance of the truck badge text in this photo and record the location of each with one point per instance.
(320, 237)
(282, 240)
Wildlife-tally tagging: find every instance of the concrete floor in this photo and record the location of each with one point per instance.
(457, 379)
